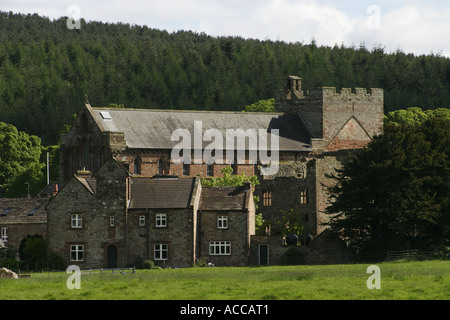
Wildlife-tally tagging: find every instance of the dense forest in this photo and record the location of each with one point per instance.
(46, 69)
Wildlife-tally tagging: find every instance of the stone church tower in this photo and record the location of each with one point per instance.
(336, 123)
(335, 120)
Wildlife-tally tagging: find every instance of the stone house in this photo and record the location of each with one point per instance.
(112, 218)
(226, 224)
(79, 217)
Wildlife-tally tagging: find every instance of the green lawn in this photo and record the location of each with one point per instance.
(414, 280)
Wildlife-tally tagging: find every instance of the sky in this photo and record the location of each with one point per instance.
(412, 26)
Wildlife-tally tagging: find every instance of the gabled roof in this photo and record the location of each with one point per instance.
(23, 210)
(146, 128)
(224, 198)
(161, 193)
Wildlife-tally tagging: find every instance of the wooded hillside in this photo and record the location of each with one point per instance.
(46, 69)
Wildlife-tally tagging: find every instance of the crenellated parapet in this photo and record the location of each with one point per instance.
(287, 101)
(326, 111)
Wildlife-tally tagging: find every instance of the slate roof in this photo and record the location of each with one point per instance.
(161, 193)
(23, 210)
(224, 198)
(177, 193)
(147, 128)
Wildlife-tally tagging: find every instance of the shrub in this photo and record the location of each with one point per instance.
(148, 264)
(201, 262)
(55, 262)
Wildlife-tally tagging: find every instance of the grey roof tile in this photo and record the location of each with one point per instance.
(23, 210)
(224, 198)
(161, 193)
(147, 128)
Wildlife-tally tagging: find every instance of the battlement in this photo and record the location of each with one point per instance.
(355, 93)
(329, 93)
(292, 97)
(326, 110)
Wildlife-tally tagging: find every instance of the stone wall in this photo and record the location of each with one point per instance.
(325, 249)
(237, 233)
(276, 247)
(178, 235)
(286, 189)
(17, 232)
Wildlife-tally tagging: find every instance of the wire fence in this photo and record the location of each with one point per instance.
(88, 272)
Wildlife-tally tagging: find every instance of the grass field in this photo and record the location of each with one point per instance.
(413, 280)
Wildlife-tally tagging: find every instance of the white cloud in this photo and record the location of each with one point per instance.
(418, 29)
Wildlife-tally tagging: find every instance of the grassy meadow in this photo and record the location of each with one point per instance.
(408, 280)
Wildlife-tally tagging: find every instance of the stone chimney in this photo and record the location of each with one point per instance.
(84, 173)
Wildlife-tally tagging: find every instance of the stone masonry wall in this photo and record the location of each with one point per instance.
(286, 189)
(326, 112)
(17, 232)
(235, 233)
(177, 235)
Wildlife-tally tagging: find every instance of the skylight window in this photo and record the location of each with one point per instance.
(33, 211)
(105, 115)
(7, 210)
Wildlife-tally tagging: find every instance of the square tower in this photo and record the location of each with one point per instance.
(336, 120)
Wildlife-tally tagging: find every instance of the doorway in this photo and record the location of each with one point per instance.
(112, 256)
(263, 254)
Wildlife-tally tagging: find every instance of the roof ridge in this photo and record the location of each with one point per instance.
(184, 111)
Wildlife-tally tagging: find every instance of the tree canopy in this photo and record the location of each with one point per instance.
(414, 115)
(19, 161)
(261, 106)
(395, 194)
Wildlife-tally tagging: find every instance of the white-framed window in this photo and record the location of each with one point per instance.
(4, 234)
(77, 220)
(111, 221)
(220, 248)
(76, 252)
(161, 220)
(161, 251)
(222, 222)
(141, 221)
